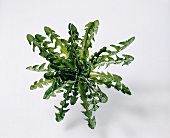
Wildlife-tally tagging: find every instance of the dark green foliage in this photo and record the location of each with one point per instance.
(30, 38)
(70, 71)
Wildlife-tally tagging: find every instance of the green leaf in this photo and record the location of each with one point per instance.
(63, 103)
(58, 117)
(48, 30)
(116, 78)
(53, 36)
(87, 113)
(72, 28)
(41, 67)
(63, 86)
(55, 84)
(30, 38)
(125, 90)
(73, 33)
(96, 24)
(127, 42)
(128, 59)
(49, 93)
(49, 75)
(61, 114)
(45, 43)
(92, 122)
(82, 90)
(118, 85)
(103, 98)
(95, 107)
(38, 68)
(58, 42)
(32, 87)
(73, 100)
(64, 50)
(40, 38)
(35, 67)
(40, 83)
(107, 79)
(29, 68)
(90, 29)
(118, 48)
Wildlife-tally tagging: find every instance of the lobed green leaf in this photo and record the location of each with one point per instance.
(30, 38)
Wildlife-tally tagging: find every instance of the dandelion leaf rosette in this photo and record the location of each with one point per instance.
(71, 70)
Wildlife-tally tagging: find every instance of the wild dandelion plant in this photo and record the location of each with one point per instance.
(71, 71)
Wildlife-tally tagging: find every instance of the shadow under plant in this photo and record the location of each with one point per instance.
(139, 115)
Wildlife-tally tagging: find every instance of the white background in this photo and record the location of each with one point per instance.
(145, 114)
